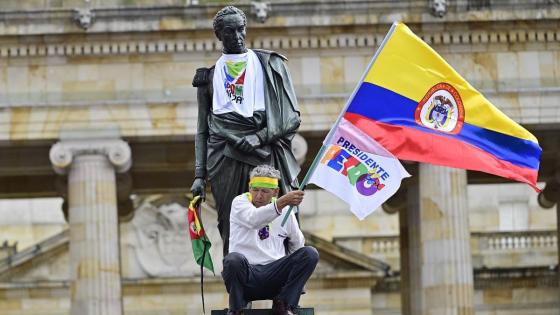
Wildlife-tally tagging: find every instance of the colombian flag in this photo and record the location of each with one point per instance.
(200, 242)
(420, 109)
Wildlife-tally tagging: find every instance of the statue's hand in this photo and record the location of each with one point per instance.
(248, 143)
(198, 188)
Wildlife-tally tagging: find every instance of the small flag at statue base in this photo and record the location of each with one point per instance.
(200, 242)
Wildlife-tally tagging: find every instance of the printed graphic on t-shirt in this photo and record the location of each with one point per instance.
(264, 232)
(235, 77)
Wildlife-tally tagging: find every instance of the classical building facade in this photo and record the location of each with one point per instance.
(97, 111)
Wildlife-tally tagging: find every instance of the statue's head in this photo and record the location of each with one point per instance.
(229, 27)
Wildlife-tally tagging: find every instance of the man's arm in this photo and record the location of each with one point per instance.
(244, 213)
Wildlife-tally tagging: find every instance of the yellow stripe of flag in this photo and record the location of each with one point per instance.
(409, 67)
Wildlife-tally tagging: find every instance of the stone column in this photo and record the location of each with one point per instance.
(91, 159)
(548, 198)
(438, 263)
(404, 251)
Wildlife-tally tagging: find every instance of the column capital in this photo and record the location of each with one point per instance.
(76, 142)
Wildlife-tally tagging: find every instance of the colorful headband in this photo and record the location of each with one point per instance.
(263, 182)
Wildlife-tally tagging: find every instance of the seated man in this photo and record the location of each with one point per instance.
(257, 267)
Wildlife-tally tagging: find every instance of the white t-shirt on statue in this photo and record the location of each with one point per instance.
(238, 84)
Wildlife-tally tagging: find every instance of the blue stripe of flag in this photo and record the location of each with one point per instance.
(386, 106)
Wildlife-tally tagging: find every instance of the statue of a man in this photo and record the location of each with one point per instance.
(247, 116)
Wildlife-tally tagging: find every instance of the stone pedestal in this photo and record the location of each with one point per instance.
(301, 311)
(92, 203)
(436, 259)
(558, 243)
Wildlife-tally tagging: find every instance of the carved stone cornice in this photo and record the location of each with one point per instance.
(279, 42)
(91, 142)
(152, 16)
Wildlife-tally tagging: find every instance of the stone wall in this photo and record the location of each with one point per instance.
(28, 221)
(155, 231)
(522, 301)
(151, 95)
(182, 296)
(329, 297)
(130, 73)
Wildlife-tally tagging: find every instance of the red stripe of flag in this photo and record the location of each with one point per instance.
(415, 145)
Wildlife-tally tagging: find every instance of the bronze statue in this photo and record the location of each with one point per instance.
(247, 116)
